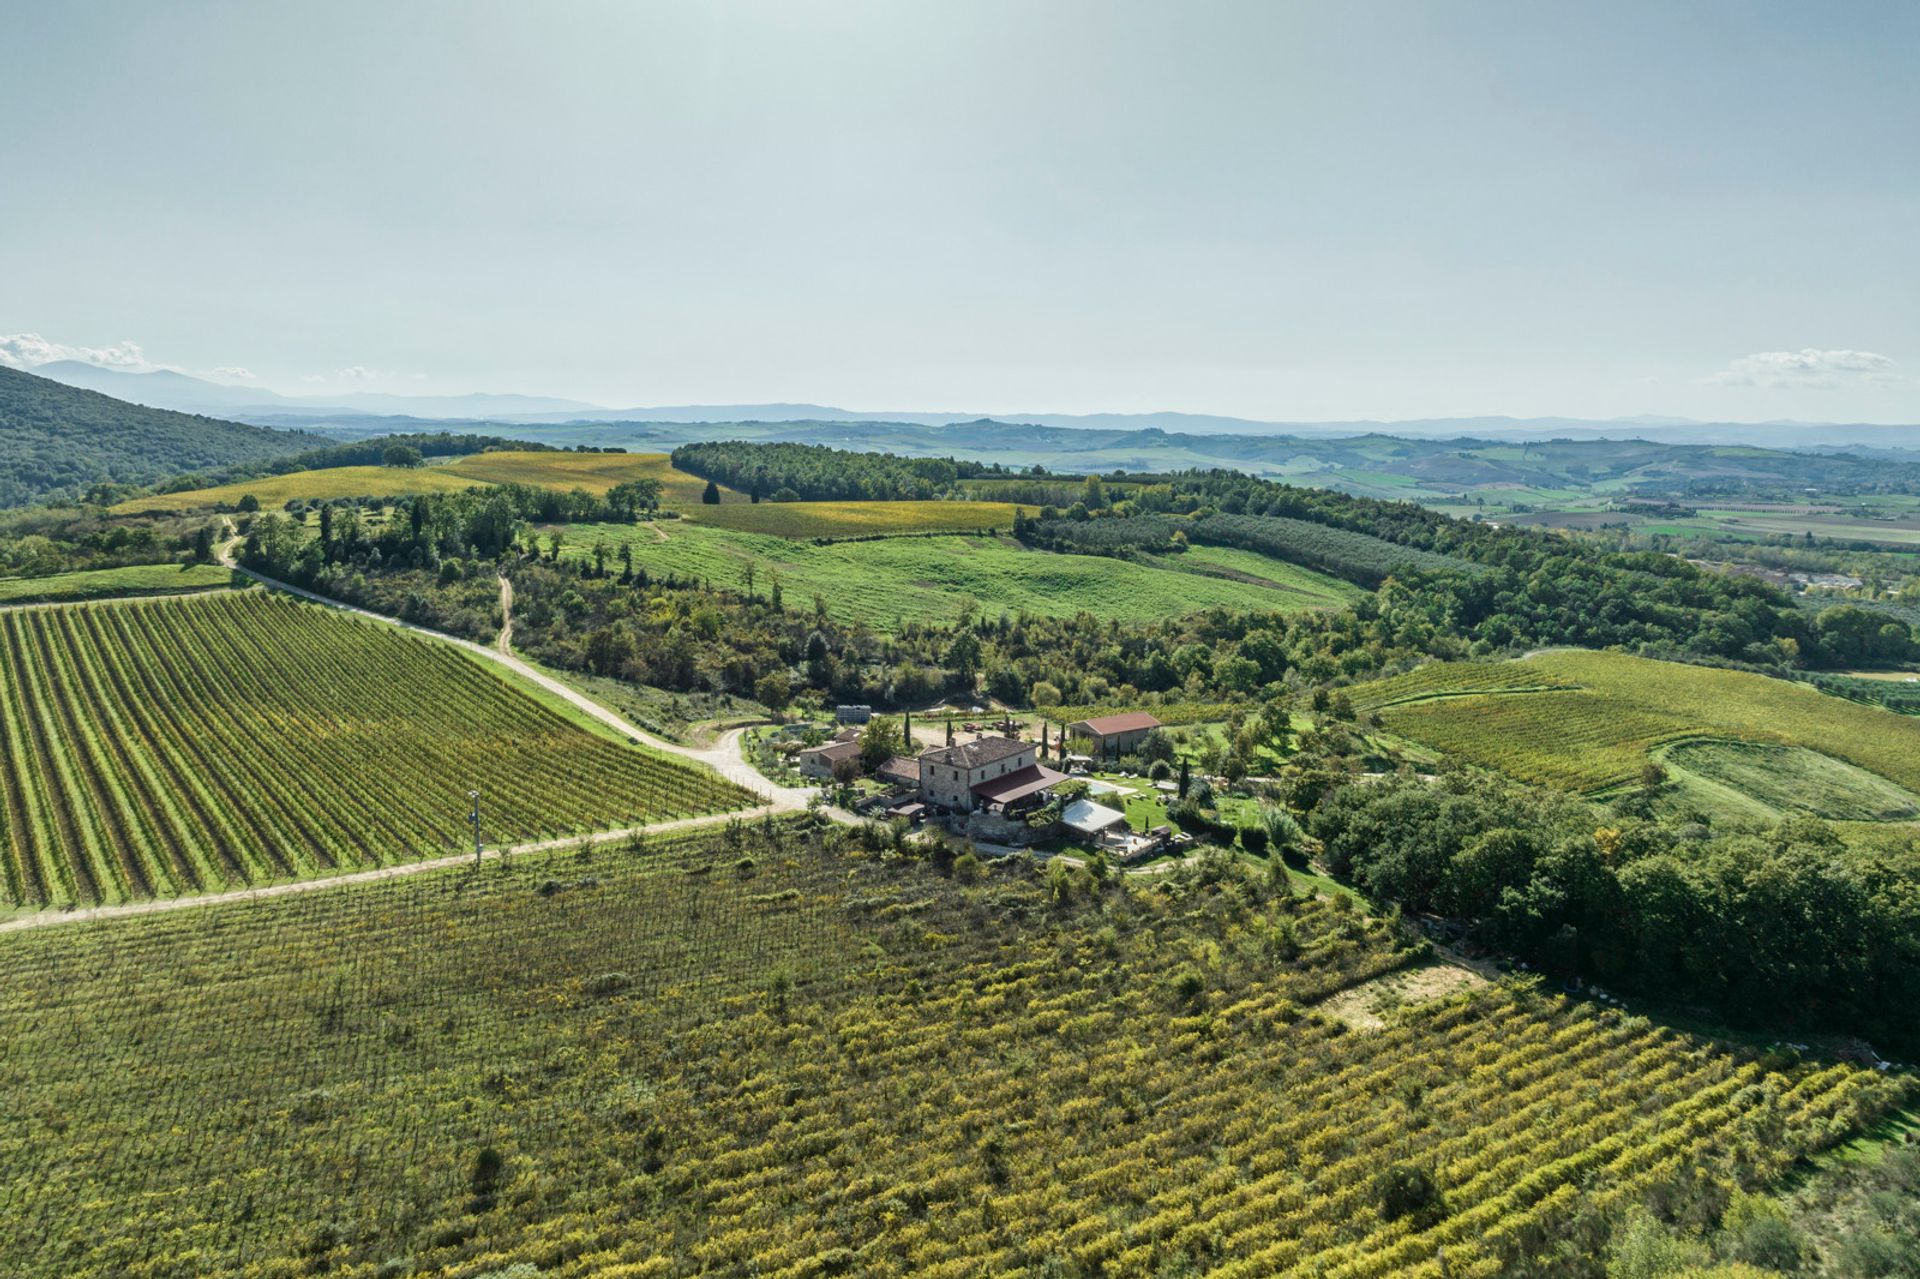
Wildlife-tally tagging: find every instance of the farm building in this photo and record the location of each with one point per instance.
(993, 774)
(853, 714)
(1112, 735)
(899, 771)
(820, 761)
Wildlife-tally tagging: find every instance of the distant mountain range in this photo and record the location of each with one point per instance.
(366, 413)
(165, 389)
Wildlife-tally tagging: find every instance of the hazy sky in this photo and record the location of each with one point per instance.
(1277, 210)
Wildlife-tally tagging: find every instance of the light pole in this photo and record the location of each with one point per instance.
(474, 795)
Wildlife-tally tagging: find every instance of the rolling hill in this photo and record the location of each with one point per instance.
(58, 440)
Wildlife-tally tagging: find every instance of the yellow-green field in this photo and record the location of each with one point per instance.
(1588, 721)
(855, 519)
(275, 491)
(594, 472)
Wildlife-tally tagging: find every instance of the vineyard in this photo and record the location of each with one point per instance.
(856, 519)
(1587, 720)
(768, 1051)
(891, 580)
(197, 743)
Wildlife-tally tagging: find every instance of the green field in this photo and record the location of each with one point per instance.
(772, 1053)
(1264, 570)
(1795, 779)
(922, 579)
(154, 748)
(107, 583)
(1589, 721)
(594, 472)
(855, 519)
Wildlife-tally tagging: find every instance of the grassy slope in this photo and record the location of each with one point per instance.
(1250, 566)
(824, 1063)
(594, 472)
(1608, 711)
(1793, 778)
(855, 519)
(275, 491)
(933, 578)
(106, 583)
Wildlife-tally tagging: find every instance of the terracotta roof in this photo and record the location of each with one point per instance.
(899, 768)
(1018, 784)
(1106, 725)
(975, 754)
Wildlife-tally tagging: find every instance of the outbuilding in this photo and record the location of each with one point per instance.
(1112, 735)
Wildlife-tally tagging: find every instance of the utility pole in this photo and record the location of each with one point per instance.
(474, 795)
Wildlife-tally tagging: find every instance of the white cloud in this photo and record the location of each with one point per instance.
(1808, 369)
(352, 373)
(25, 350)
(232, 373)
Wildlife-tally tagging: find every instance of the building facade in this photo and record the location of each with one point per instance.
(994, 774)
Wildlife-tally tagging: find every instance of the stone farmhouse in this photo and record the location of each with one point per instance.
(990, 775)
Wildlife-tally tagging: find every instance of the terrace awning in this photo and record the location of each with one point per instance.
(1018, 785)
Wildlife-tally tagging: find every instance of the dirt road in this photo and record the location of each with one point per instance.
(724, 756)
(160, 905)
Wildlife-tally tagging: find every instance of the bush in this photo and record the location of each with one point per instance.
(1159, 771)
(1404, 1190)
(1254, 839)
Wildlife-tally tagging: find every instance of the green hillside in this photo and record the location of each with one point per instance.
(58, 440)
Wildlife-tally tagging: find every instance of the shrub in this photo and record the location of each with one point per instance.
(608, 983)
(1405, 1190)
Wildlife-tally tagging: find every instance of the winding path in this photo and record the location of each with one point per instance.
(723, 757)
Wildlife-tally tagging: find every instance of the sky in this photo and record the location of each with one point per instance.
(1274, 210)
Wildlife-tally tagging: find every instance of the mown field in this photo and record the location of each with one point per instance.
(1793, 778)
(1588, 721)
(855, 519)
(769, 1053)
(107, 583)
(275, 491)
(174, 746)
(905, 579)
(594, 472)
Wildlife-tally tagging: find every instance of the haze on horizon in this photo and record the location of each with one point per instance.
(1283, 212)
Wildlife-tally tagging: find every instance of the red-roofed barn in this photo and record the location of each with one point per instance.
(1112, 735)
